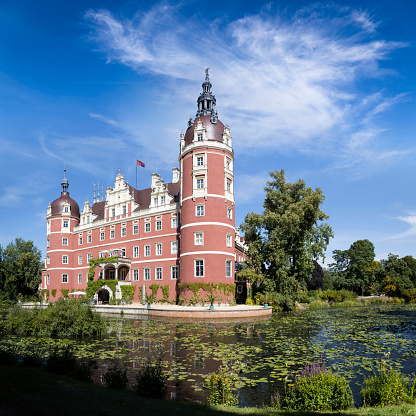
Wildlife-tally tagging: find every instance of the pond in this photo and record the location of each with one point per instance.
(263, 353)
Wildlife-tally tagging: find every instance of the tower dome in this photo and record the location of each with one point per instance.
(64, 201)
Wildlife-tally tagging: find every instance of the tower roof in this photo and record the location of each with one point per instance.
(207, 101)
(57, 206)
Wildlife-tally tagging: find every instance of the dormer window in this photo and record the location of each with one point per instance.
(199, 137)
(113, 212)
(155, 202)
(162, 200)
(66, 209)
(124, 209)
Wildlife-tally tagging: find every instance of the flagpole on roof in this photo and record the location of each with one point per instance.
(136, 174)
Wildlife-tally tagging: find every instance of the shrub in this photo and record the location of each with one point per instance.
(116, 378)
(388, 386)
(220, 386)
(318, 304)
(316, 389)
(151, 381)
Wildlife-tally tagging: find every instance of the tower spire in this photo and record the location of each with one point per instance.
(207, 101)
(65, 183)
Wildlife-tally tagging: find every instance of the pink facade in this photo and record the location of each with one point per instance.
(181, 231)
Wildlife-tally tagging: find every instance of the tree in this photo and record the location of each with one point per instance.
(350, 268)
(20, 269)
(397, 280)
(288, 235)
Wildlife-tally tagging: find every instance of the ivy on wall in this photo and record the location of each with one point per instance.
(218, 289)
(95, 262)
(94, 285)
(127, 292)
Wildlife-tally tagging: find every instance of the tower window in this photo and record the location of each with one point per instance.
(228, 268)
(199, 137)
(200, 210)
(65, 224)
(199, 183)
(199, 268)
(200, 161)
(229, 240)
(64, 259)
(64, 241)
(199, 239)
(229, 213)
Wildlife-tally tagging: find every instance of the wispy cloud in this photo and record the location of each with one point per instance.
(287, 82)
(410, 233)
(106, 120)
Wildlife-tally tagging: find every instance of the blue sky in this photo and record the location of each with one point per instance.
(325, 91)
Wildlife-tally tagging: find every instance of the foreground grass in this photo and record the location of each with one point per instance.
(32, 391)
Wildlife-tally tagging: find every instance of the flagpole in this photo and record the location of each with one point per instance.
(136, 174)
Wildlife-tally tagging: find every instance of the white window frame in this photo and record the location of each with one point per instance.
(198, 238)
(65, 279)
(124, 208)
(113, 212)
(80, 278)
(147, 250)
(158, 273)
(89, 257)
(158, 249)
(65, 259)
(228, 268)
(199, 137)
(135, 252)
(229, 213)
(197, 267)
(65, 223)
(79, 259)
(147, 227)
(102, 235)
(48, 280)
(198, 209)
(135, 275)
(135, 229)
(174, 247)
(64, 241)
(146, 274)
(123, 231)
(80, 240)
(174, 222)
(159, 225)
(199, 160)
(229, 240)
(89, 238)
(162, 200)
(200, 182)
(112, 233)
(174, 270)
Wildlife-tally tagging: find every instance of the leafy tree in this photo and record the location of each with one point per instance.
(288, 235)
(397, 280)
(20, 269)
(317, 279)
(350, 267)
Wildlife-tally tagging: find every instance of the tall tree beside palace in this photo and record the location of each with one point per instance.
(20, 270)
(291, 232)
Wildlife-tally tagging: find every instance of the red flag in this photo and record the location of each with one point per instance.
(140, 164)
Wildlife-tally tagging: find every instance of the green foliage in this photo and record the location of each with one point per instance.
(165, 292)
(355, 268)
(215, 289)
(154, 288)
(116, 378)
(20, 270)
(95, 262)
(127, 292)
(53, 291)
(151, 381)
(388, 386)
(221, 388)
(287, 236)
(45, 294)
(64, 318)
(317, 389)
(65, 292)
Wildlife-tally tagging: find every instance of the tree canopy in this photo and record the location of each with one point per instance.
(284, 240)
(20, 270)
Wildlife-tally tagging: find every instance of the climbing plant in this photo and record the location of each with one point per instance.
(165, 292)
(127, 292)
(65, 292)
(95, 262)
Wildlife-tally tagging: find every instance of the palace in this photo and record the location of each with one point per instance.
(182, 231)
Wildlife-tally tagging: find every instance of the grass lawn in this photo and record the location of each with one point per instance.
(32, 391)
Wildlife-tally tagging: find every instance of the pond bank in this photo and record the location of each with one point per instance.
(137, 310)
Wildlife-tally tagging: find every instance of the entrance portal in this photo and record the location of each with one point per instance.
(103, 297)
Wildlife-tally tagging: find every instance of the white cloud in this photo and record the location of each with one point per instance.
(106, 120)
(287, 83)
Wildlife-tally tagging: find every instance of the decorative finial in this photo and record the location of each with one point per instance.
(93, 201)
(206, 101)
(98, 192)
(206, 74)
(65, 183)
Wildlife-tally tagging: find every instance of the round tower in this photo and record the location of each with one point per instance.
(62, 216)
(207, 196)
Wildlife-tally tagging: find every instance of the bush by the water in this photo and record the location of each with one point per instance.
(116, 378)
(220, 386)
(387, 386)
(64, 318)
(151, 381)
(316, 389)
